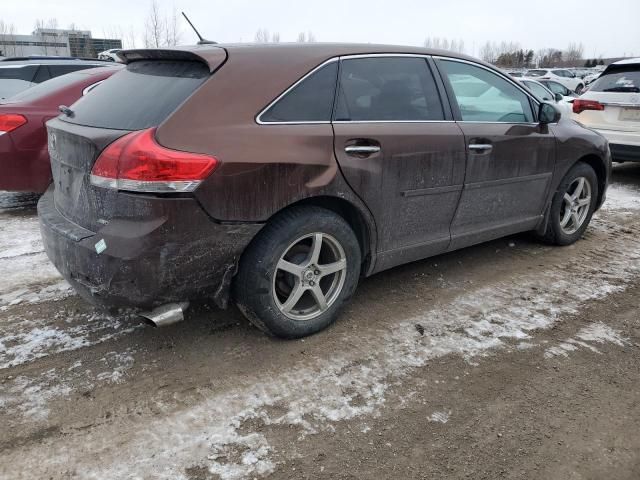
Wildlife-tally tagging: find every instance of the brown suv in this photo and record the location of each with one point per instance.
(279, 175)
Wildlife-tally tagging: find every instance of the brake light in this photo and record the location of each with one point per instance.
(11, 121)
(580, 105)
(137, 163)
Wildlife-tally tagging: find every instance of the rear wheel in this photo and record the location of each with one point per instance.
(572, 205)
(298, 272)
(579, 89)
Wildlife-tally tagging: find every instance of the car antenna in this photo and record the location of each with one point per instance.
(202, 41)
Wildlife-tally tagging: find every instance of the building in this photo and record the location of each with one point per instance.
(48, 41)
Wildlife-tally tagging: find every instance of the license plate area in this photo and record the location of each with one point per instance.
(630, 114)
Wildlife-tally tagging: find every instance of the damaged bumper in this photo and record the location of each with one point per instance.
(174, 257)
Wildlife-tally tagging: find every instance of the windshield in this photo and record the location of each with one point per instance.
(627, 80)
(536, 73)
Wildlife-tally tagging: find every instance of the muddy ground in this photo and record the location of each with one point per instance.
(511, 360)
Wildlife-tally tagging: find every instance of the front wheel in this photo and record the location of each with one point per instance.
(579, 89)
(298, 272)
(572, 206)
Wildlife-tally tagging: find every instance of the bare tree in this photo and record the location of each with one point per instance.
(308, 37)
(574, 52)
(154, 26)
(262, 36)
(489, 52)
(444, 44)
(172, 30)
(129, 39)
(39, 30)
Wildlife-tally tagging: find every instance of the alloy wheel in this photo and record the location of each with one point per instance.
(575, 205)
(309, 276)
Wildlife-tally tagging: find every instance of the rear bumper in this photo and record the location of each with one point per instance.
(625, 153)
(146, 264)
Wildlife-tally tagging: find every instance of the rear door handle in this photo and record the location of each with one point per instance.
(481, 147)
(361, 149)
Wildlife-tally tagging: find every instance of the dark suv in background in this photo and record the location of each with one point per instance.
(18, 75)
(279, 175)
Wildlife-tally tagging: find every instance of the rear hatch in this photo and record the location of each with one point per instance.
(618, 91)
(141, 96)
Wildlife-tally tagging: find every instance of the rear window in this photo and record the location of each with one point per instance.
(141, 96)
(625, 80)
(18, 72)
(536, 73)
(45, 88)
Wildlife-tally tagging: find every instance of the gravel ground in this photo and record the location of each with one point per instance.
(511, 359)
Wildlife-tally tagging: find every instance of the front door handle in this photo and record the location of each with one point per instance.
(361, 149)
(481, 147)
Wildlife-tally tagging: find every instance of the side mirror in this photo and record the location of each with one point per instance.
(548, 113)
(558, 97)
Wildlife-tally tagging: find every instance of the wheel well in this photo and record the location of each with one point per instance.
(353, 217)
(601, 172)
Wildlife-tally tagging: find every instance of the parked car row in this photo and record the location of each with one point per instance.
(24, 158)
(277, 176)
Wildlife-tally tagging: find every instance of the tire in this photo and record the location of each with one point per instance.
(579, 89)
(266, 293)
(574, 227)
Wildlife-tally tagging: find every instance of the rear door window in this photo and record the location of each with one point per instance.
(311, 100)
(57, 70)
(140, 96)
(387, 89)
(484, 96)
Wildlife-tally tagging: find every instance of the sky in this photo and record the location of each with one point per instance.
(605, 28)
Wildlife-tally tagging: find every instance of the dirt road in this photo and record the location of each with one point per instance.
(511, 359)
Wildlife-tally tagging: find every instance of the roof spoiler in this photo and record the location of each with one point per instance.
(213, 56)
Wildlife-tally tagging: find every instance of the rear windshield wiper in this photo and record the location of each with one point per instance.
(622, 89)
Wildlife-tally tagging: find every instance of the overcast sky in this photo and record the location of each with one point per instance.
(609, 28)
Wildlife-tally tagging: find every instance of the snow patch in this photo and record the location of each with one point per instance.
(621, 197)
(595, 333)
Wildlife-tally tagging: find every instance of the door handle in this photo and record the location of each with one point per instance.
(481, 147)
(361, 149)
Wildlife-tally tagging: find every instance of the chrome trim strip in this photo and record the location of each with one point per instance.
(495, 72)
(619, 104)
(260, 122)
(391, 121)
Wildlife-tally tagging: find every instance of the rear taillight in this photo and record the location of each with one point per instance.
(11, 121)
(137, 163)
(580, 105)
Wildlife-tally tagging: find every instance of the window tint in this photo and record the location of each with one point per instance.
(46, 88)
(18, 72)
(42, 75)
(620, 80)
(57, 70)
(309, 101)
(539, 91)
(389, 88)
(140, 96)
(483, 96)
(556, 87)
(536, 73)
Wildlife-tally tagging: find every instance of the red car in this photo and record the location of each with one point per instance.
(24, 160)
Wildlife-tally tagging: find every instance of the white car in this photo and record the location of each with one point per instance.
(543, 93)
(557, 87)
(561, 75)
(110, 55)
(612, 107)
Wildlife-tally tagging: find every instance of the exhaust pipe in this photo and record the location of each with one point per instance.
(166, 314)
